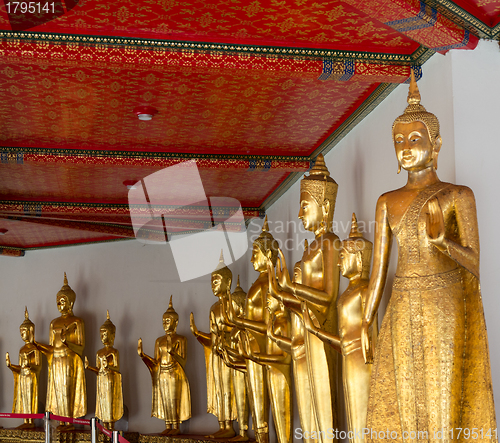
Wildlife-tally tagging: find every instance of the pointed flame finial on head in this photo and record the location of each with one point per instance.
(319, 167)
(265, 226)
(238, 281)
(354, 228)
(26, 315)
(221, 258)
(65, 279)
(27, 322)
(171, 311)
(170, 305)
(413, 92)
(107, 314)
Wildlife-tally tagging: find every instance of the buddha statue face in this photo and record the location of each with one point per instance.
(107, 337)
(349, 263)
(259, 260)
(311, 212)
(63, 304)
(219, 284)
(27, 334)
(170, 323)
(415, 150)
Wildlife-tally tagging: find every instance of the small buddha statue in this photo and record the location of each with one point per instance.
(354, 263)
(171, 394)
(26, 374)
(221, 400)
(431, 368)
(319, 288)
(109, 397)
(66, 390)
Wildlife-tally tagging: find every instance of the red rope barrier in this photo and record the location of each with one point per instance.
(78, 421)
(12, 415)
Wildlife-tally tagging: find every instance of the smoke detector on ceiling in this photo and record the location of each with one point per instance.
(145, 112)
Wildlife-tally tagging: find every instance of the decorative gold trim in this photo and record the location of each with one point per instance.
(285, 52)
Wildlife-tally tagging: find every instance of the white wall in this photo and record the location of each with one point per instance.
(134, 281)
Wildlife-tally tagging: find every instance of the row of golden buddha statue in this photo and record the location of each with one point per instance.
(427, 369)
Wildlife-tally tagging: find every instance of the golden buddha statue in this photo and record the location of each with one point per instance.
(255, 321)
(354, 263)
(66, 390)
(278, 364)
(220, 396)
(109, 397)
(171, 395)
(295, 346)
(239, 366)
(431, 371)
(26, 374)
(319, 288)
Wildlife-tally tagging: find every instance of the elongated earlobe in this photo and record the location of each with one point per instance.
(399, 167)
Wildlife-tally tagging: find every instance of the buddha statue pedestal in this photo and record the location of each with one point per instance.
(37, 435)
(184, 438)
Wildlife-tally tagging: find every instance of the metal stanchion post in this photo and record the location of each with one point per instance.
(93, 430)
(47, 427)
(116, 435)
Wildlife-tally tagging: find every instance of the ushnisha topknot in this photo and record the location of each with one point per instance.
(27, 322)
(108, 324)
(416, 112)
(223, 270)
(357, 243)
(67, 291)
(266, 242)
(319, 184)
(171, 311)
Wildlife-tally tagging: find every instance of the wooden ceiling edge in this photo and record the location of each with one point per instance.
(233, 49)
(37, 248)
(463, 18)
(366, 108)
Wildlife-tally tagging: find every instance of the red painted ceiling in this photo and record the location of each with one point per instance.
(252, 90)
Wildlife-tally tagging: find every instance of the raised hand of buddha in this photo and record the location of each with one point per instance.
(435, 224)
(192, 325)
(7, 360)
(282, 272)
(139, 348)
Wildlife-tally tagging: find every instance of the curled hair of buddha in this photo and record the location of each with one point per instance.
(170, 312)
(223, 270)
(357, 244)
(319, 185)
(416, 112)
(27, 323)
(67, 291)
(108, 324)
(266, 242)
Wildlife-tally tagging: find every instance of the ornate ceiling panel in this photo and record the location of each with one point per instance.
(251, 90)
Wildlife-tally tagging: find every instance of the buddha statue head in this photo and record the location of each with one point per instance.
(27, 328)
(108, 331)
(265, 246)
(170, 319)
(222, 278)
(318, 192)
(66, 298)
(356, 253)
(416, 134)
(239, 297)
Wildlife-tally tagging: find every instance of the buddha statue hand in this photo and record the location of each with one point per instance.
(139, 348)
(192, 325)
(284, 279)
(86, 363)
(435, 224)
(366, 343)
(7, 360)
(308, 323)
